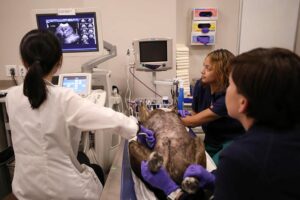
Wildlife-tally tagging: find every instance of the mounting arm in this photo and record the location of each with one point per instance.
(112, 52)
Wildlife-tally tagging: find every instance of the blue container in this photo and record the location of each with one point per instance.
(180, 99)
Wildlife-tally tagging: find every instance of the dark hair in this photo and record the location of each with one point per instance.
(219, 59)
(270, 80)
(41, 52)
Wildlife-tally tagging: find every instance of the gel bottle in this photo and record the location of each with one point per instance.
(180, 96)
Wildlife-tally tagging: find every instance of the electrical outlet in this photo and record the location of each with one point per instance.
(22, 70)
(9, 68)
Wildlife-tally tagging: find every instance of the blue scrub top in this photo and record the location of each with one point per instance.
(223, 129)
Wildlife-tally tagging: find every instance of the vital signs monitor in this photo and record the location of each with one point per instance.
(153, 54)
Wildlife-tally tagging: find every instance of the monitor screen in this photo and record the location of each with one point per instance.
(80, 83)
(77, 33)
(152, 51)
(153, 54)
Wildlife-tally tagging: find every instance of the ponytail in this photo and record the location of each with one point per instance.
(41, 52)
(34, 86)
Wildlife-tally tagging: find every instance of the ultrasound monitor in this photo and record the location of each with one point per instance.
(80, 83)
(77, 32)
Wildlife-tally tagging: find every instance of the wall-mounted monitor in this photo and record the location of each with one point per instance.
(153, 54)
(78, 31)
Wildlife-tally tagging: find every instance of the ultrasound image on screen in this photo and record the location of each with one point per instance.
(77, 33)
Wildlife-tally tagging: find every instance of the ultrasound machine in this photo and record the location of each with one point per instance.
(81, 83)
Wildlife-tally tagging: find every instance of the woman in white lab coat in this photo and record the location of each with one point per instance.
(46, 124)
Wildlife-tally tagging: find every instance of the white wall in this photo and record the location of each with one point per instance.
(226, 35)
(227, 29)
(122, 22)
(297, 45)
(268, 23)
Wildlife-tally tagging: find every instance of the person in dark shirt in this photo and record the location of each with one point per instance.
(209, 109)
(264, 96)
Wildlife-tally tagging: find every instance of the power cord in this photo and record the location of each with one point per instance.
(3, 94)
(13, 74)
(127, 96)
(134, 76)
(117, 99)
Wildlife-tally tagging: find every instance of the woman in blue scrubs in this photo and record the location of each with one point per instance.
(209, 109)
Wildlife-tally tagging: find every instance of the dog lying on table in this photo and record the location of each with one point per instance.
(175, 149)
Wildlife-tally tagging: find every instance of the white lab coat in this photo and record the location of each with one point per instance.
(46, 141)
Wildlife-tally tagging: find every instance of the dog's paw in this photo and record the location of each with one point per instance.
(190, 185)
(155, 161)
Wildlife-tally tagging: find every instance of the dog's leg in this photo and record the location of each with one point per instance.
(137, 153)
(191, 184)
(200, 156)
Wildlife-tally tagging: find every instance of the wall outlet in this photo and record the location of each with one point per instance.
(22, 70)
(10, 68)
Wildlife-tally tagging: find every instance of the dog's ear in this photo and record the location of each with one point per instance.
(144, 113)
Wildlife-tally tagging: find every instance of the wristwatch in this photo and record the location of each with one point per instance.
(174, 195)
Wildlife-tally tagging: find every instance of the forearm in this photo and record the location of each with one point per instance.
(87, 116)
(193, 112)
(185, 196)
(176, 195)
(200, 118)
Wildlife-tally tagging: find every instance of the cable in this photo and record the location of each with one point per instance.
(87, 147)
(15, 81)
(13, 73)
(122, 108)
(128, 91)
(134, 76)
